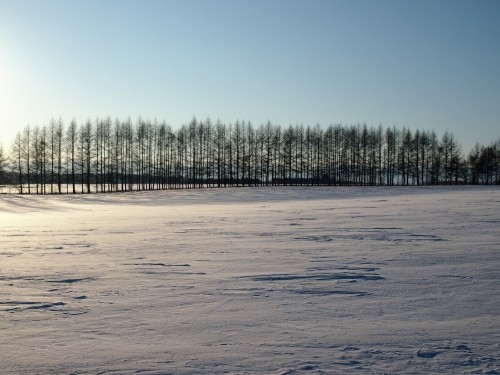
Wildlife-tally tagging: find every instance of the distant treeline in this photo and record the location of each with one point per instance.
(106, 155)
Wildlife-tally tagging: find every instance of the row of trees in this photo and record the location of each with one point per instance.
(105, 155)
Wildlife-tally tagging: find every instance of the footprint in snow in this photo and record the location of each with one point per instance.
(427, 353)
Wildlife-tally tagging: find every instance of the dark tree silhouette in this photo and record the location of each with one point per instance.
(103, 155)
(3, 165)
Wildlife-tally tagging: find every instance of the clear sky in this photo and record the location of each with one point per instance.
(420, 64)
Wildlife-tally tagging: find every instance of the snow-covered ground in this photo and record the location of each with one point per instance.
(252, 280)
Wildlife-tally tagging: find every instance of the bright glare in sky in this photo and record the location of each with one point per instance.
(431, 65)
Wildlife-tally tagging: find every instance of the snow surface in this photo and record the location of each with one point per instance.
(252, 280)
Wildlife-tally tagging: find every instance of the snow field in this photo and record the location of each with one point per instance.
(257, 280)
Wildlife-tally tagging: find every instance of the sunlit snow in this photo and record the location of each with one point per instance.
(252, 280)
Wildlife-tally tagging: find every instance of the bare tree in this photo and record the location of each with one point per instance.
(3, 164)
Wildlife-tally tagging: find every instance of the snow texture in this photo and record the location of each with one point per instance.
(252, 281)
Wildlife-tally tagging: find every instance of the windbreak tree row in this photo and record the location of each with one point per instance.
(106, 155)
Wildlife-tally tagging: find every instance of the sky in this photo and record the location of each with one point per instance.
(431, 65)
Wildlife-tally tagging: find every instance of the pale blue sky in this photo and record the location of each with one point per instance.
(420, 64)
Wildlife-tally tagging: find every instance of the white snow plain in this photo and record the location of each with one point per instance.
(252, 281)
